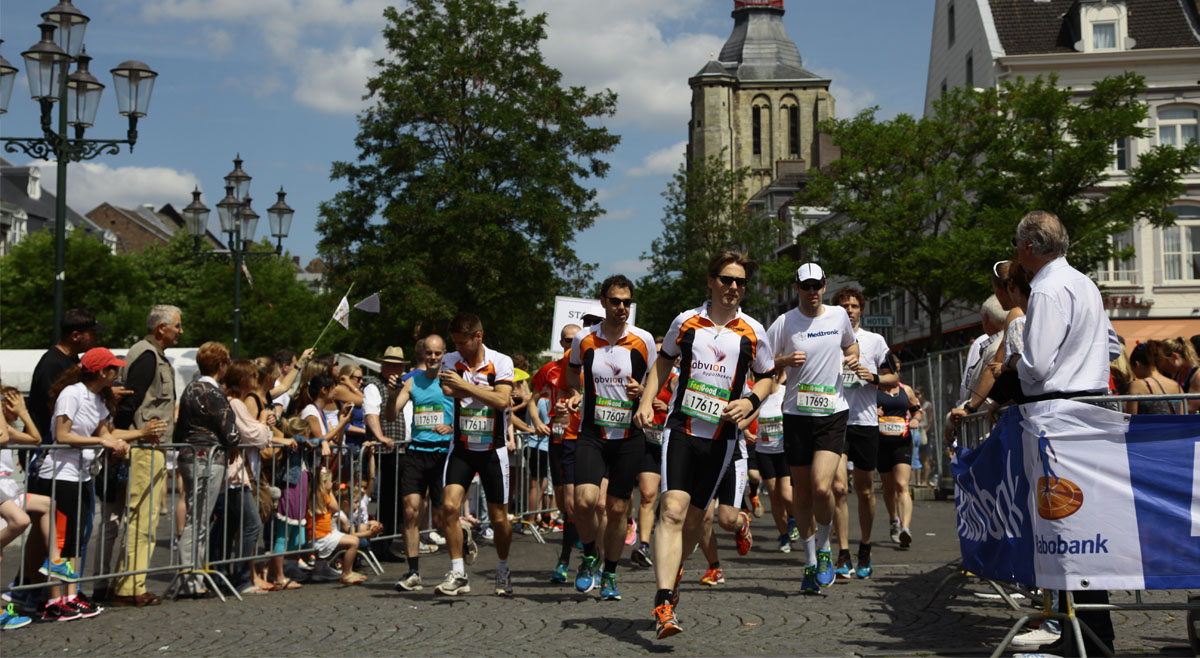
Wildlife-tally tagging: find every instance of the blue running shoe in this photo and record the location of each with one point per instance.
(60, 570)
(864, 566)
(785, 544)
(825, 573)
(842, 569)
(608, 587)
(560, 573)
(810, 587)
(585, 579)
(10, 620)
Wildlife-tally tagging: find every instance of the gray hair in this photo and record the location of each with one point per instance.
(1046, 233)
(993, 311)
(161, 314)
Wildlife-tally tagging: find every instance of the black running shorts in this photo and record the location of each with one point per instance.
(620, 460)
(492, 466)
(733, 484)
(652, 456)
(694, 465)
(894, 450)
(556, 464)
(862, 446)
(421, 472)
(773, 466)
(568, 461)
(804, 435)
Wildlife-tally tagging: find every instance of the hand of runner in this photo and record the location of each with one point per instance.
(644, 416)
(443, 429)
(541, 429)
(451, 379)
(633, 388)
(573, 402)
(736, 410)
(851, 362)
(659, 406)
(793, 360)
(863, 373)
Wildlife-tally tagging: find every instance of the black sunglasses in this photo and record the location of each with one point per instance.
(615, 301)
(730, 280)
(811, 286)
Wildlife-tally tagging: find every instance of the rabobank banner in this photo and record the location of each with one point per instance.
(1066, 495)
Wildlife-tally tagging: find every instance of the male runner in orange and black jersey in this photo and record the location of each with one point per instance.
(548, 382)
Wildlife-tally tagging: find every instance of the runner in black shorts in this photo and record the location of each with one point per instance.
(614, 357)
(650, 479)
(718, 347)
(772, 464)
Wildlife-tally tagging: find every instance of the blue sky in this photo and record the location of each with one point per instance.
(280, 81)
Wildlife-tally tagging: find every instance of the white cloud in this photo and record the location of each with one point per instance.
(663, 162)
(219, 41)
(91, 184)
(617, 215)
(849, 96)
(335, 82)
(630, 267)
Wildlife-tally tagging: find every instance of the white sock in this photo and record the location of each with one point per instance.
(502, 565)
(823, 532)
(895, 520)
(810, 549)
(456, 565)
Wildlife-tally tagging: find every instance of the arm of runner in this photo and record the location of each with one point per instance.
(654, 378)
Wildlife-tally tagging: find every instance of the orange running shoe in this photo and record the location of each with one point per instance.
(665, 622)
(744, 539)
(713, 577)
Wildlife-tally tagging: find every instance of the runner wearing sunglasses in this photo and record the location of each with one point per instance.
(814, 343)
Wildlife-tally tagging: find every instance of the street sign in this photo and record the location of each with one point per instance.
(877, 321)
(570, 310)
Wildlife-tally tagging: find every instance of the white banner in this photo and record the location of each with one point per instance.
(570, 310)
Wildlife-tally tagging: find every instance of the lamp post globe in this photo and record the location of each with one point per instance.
(44, 66)
(83, 95)
(195, 216)
(8, 75)
(70, 24)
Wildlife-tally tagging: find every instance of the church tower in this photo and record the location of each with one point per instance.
(758, 102)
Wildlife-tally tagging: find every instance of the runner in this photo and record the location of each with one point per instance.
(614, 357)
(718, 347)
(424, 460)
(650, 478)
(897, 406)
(876, 367)
(481, 380)
(777, 479)
(728, 507)
(814, 342)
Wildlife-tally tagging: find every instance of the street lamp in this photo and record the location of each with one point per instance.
(239, 222)
(78, 96)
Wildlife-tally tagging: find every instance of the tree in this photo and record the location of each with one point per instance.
(468, 187)
(705, 213)
(926, 206)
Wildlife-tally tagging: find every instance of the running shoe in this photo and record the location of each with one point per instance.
(437, 538)
(10, 620)
(487, 533)
(85, 609)
(503, 582)
(60, 612)
(810, 586)
(61, 570)
(905, 538)
(785, 544)
(824, 568)
(470, 548)
(665, 622)
(864, 565)
(641, 556)
(453, 585)
(409, 583)
(1035, 638)
(631, 532)
(894, 531)
(757, 506)
(744, 538)
(793, 531)
(560, 573)
(842, 569)
(608, 587)
(713, 577)
(426, 549)
(585, 579)
(675, 591)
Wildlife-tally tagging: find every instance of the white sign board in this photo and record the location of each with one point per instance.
(570, 310)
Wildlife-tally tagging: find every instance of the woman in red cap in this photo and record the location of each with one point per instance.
(83, 402)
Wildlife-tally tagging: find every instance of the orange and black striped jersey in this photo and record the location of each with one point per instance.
(571, 431)
(713, 361)
(606, 367)
(478, 426)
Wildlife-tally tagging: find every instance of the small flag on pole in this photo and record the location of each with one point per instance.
(342, 314)
(369, 304)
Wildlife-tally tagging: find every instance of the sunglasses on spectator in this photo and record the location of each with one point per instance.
(616, 301)
(811, 286)
(730, 280)
(356, 377)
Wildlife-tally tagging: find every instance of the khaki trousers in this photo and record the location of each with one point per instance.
(147, 486)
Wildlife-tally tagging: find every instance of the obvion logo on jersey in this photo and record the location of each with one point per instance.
(1111, 500)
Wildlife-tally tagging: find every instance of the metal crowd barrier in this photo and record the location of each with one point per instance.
(972, 431)
(241, 532)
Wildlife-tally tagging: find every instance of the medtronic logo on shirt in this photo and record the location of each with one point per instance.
(818, 334)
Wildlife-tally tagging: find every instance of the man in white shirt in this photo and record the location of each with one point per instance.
(814, 343)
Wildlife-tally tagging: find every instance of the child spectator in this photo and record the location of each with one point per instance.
(327, 538)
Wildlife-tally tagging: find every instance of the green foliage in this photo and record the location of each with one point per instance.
(277, 310)
(467, 191)
(704, 215)
(927, 205)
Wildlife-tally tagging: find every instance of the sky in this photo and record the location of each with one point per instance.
(281, 83)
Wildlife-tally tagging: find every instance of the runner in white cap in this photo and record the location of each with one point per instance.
(813, 343)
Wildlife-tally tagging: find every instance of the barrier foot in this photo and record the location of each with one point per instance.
(372, 561)
(224, 579)
(537, 533)
(955, 572)
(1078, 628)
(1003, 594)
(1012, 632)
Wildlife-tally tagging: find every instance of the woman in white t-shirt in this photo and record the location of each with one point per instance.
(320, 425)
(83, 399)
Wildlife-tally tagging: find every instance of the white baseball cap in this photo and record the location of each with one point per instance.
(809, 271)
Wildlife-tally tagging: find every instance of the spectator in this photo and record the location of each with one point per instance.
(327, 538)
(320, 428)
(349, 391)
(386, 433)
(150, 380)
(992, 316)
(1120, 371)
(288, 531)
(289, 370)
(78, 329)
(1149, 381)
(13, 519)
(207, 423)
(1177, 360)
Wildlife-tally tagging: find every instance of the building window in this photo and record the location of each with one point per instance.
(756, 115)
(1119, 270)
(970, 70)
(1104, 36)
(943, 87)
(1178, 126)
(950, 24)
(1121, 154)
(1181, 245)
(794, 131)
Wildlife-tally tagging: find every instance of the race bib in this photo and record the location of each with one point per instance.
(816, 399)
(704, 401)
(850, 379)
(892, 426)
(557, 430)
(770, 432)
(426, 417)
(613, 413)
(654, 434)
(477, 425)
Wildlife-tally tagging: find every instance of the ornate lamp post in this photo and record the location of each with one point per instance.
(78, 98)
(239, 222)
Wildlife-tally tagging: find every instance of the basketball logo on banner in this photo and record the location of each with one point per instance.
(1057, 497)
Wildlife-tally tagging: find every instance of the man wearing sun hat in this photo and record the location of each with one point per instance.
(376, 395)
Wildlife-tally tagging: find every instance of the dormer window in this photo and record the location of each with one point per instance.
(1101, 26)
(1104, 36)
